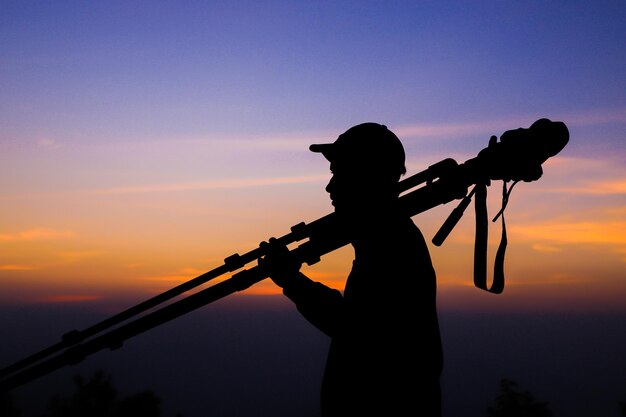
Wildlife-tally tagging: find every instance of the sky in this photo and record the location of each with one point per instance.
(144, 142)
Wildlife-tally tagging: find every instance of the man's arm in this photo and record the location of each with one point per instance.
(322, 306)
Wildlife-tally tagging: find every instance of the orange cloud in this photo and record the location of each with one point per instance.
(551, 279)
(610, 232)
(585, 176)
(16, 268)
(622, 252)
(36, 234)
(182, 275)
(174, 278)
(603, 187)
(323, 276)
(617, 211)
(76, 256)
(541, 247)
(260, 289)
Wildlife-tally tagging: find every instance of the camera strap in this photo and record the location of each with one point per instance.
(480, 243)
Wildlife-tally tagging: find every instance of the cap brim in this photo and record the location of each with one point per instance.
(326, 149)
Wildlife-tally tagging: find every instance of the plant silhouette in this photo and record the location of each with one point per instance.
(7, 406)
(513, 402)
(97, 397)
(93, 397)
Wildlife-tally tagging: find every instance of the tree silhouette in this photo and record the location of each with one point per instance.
(141, 404)
(97, 397)
(622, 407)
(512, 402)
(7, 406)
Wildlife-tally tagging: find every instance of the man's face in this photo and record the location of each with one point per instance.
(352, 191)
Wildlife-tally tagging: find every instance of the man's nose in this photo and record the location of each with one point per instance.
(331, 185)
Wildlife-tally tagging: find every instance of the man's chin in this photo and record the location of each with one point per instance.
(342, 214)
(350, 215)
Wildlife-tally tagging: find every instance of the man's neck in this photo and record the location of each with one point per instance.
(373, 222)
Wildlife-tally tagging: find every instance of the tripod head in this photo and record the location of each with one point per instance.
(521, 152)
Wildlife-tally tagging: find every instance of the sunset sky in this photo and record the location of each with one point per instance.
(141, 143)
(144, 142)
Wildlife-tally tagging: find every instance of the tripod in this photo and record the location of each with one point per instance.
(518, 156)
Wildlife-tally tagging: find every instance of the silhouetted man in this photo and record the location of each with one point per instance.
(385, 356)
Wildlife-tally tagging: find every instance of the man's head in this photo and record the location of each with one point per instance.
(366, 161)
(366, 148)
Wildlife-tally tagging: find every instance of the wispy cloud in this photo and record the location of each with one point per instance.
(617, 115)
(542, 247)
(606, 233)
(621, 252)
(182, 275)
(551, 279)
(585, 176)
(601, 187)
(16, 268)
(48, 143)
(211, 185)
(428, 130)
(66, 298)
(280, 141)
(36, 234)
(287, 141)
(497, 126)
(77, 256)
(616, 211)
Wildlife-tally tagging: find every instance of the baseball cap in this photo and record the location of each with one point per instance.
(367, 145)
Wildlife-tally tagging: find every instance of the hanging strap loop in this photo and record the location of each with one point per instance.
(480, 244)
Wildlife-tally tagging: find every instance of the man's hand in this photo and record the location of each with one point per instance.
(281, 265)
